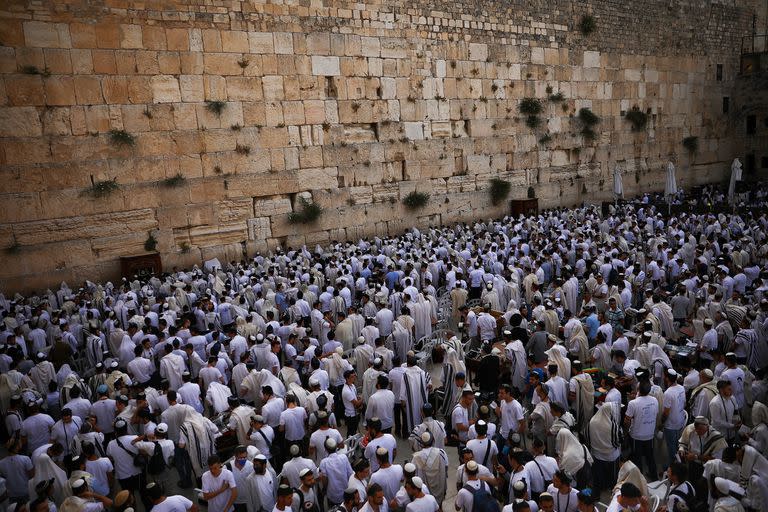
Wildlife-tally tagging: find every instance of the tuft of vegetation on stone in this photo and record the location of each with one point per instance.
(545, 138)
(121, 138)
(499, 190)
(242, 150)
(557, 97)
(174, 181)
(588, 117)
(215, 107)
(103, 188)
(531, 106)
(691, 143)
(638, 118)
(416, 200)
(150, 244)
(308, 213)
(587, 25)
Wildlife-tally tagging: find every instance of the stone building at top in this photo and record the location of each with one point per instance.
(200, 128)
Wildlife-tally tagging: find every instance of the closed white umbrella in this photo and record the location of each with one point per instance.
(735, 176)
(618, 183)
(670, 188)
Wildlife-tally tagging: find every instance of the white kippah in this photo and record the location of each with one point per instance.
(381, 451)
(417, 482)
(409, 467)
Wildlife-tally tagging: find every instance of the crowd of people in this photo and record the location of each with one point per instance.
(568, 357)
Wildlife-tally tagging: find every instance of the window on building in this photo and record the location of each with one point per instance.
(751, 125)
(726, 104)
(749, 166)
(719, 72)
(764, 162)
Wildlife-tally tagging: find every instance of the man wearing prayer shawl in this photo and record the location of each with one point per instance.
(420, 311)
(198, 436)
(581, 393)
(759, 434)
(400, 339)
(515, 353)
(754, 468)
(541, 418)
(172, 368)
(604, 437)
(345, 331)
(363, 355)
(700, 442)
(432, 466)
(42, 374)
(414, 392)
(572, 454)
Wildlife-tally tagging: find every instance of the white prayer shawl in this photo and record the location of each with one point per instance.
(46, 469)
(201, 442)
(629, 473)
(269, 379)
(585, 401)
(571, 452)
(172, 367)
(432, 466)
(602, 355)
(422, 316)
(578, 344)
(302, 397)
(651, 355)
(451, 366)
(41, 375)
(729, 504)
(242, 419)
(759, 433)
(666, 319)
(217, 396)
(95, 350)
(543, 420)
(335, 365)
(754, 468)
(401, 340)
(571, 294)
(515, 352)
(370, 376)
(363, 356)
(491, 298)
(287, 376)
(556, 357)
(604, 432)
(413, 393)
(250, 389)
(9, 385)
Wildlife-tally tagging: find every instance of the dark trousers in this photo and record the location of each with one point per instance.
(183, 466)
(401, 421)
(240, 507)
(644, 450)
(604, 473)
(474, 292)
(352, 422)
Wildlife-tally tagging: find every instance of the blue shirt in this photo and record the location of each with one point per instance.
(592, 325)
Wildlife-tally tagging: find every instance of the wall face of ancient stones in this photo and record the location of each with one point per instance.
(350, 105)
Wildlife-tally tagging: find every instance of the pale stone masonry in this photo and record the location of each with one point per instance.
(352, 105)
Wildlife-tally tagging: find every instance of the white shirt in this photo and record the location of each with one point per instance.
(337, 469)
(387, 441)
(540, 470)
(263, 442)
(426, 503)
(465, 499)
(37, 430)
(272, 410)
(460, 416)
(213, 483)
(382, 405)
(564, 502)
(141, 369)
(123, 458)
(481, 447)
(293, 420)
(317, 441)
(190, 395)
(175, 503)
(643, 411)
(98, 469)
(349, 393)
(674, 400)
(389, 479)
(511, 414)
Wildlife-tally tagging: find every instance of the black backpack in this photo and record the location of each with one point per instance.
(482, 499)
(156, 464)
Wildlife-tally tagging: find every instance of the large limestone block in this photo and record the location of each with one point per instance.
(20, 122)
(259, 228)
(165, 89)
(47, 35)
(319, 178)
(591, 59)
(233, 210)
(325, 65)
(269, 206)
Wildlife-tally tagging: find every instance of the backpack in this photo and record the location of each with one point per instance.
(584, 475)
(156, 464)
(482, 499)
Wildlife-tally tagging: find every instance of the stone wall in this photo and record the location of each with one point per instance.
(351, 105)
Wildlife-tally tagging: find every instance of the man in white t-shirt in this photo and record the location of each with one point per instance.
(317, 440)
(420, 502)
(163, 503)
(483, 448)
(641, 420)
(673, 414)
(465, 496)
(511, 411)
(219, 487)
(293, 420)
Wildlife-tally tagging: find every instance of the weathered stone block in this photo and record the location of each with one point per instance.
(165, 89)
(325, 66)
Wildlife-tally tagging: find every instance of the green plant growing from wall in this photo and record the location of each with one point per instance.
(416, 200)
(103, 188)
(531, 107)
(587, 24)
(308, 213)
(121, 138)
(545, 138)
(174, 181)
(557, 97)
(150, 244)
(638, 118)
(499, 190)
(185, 247)
(215, 107)
(588, 119)
(691, 143)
